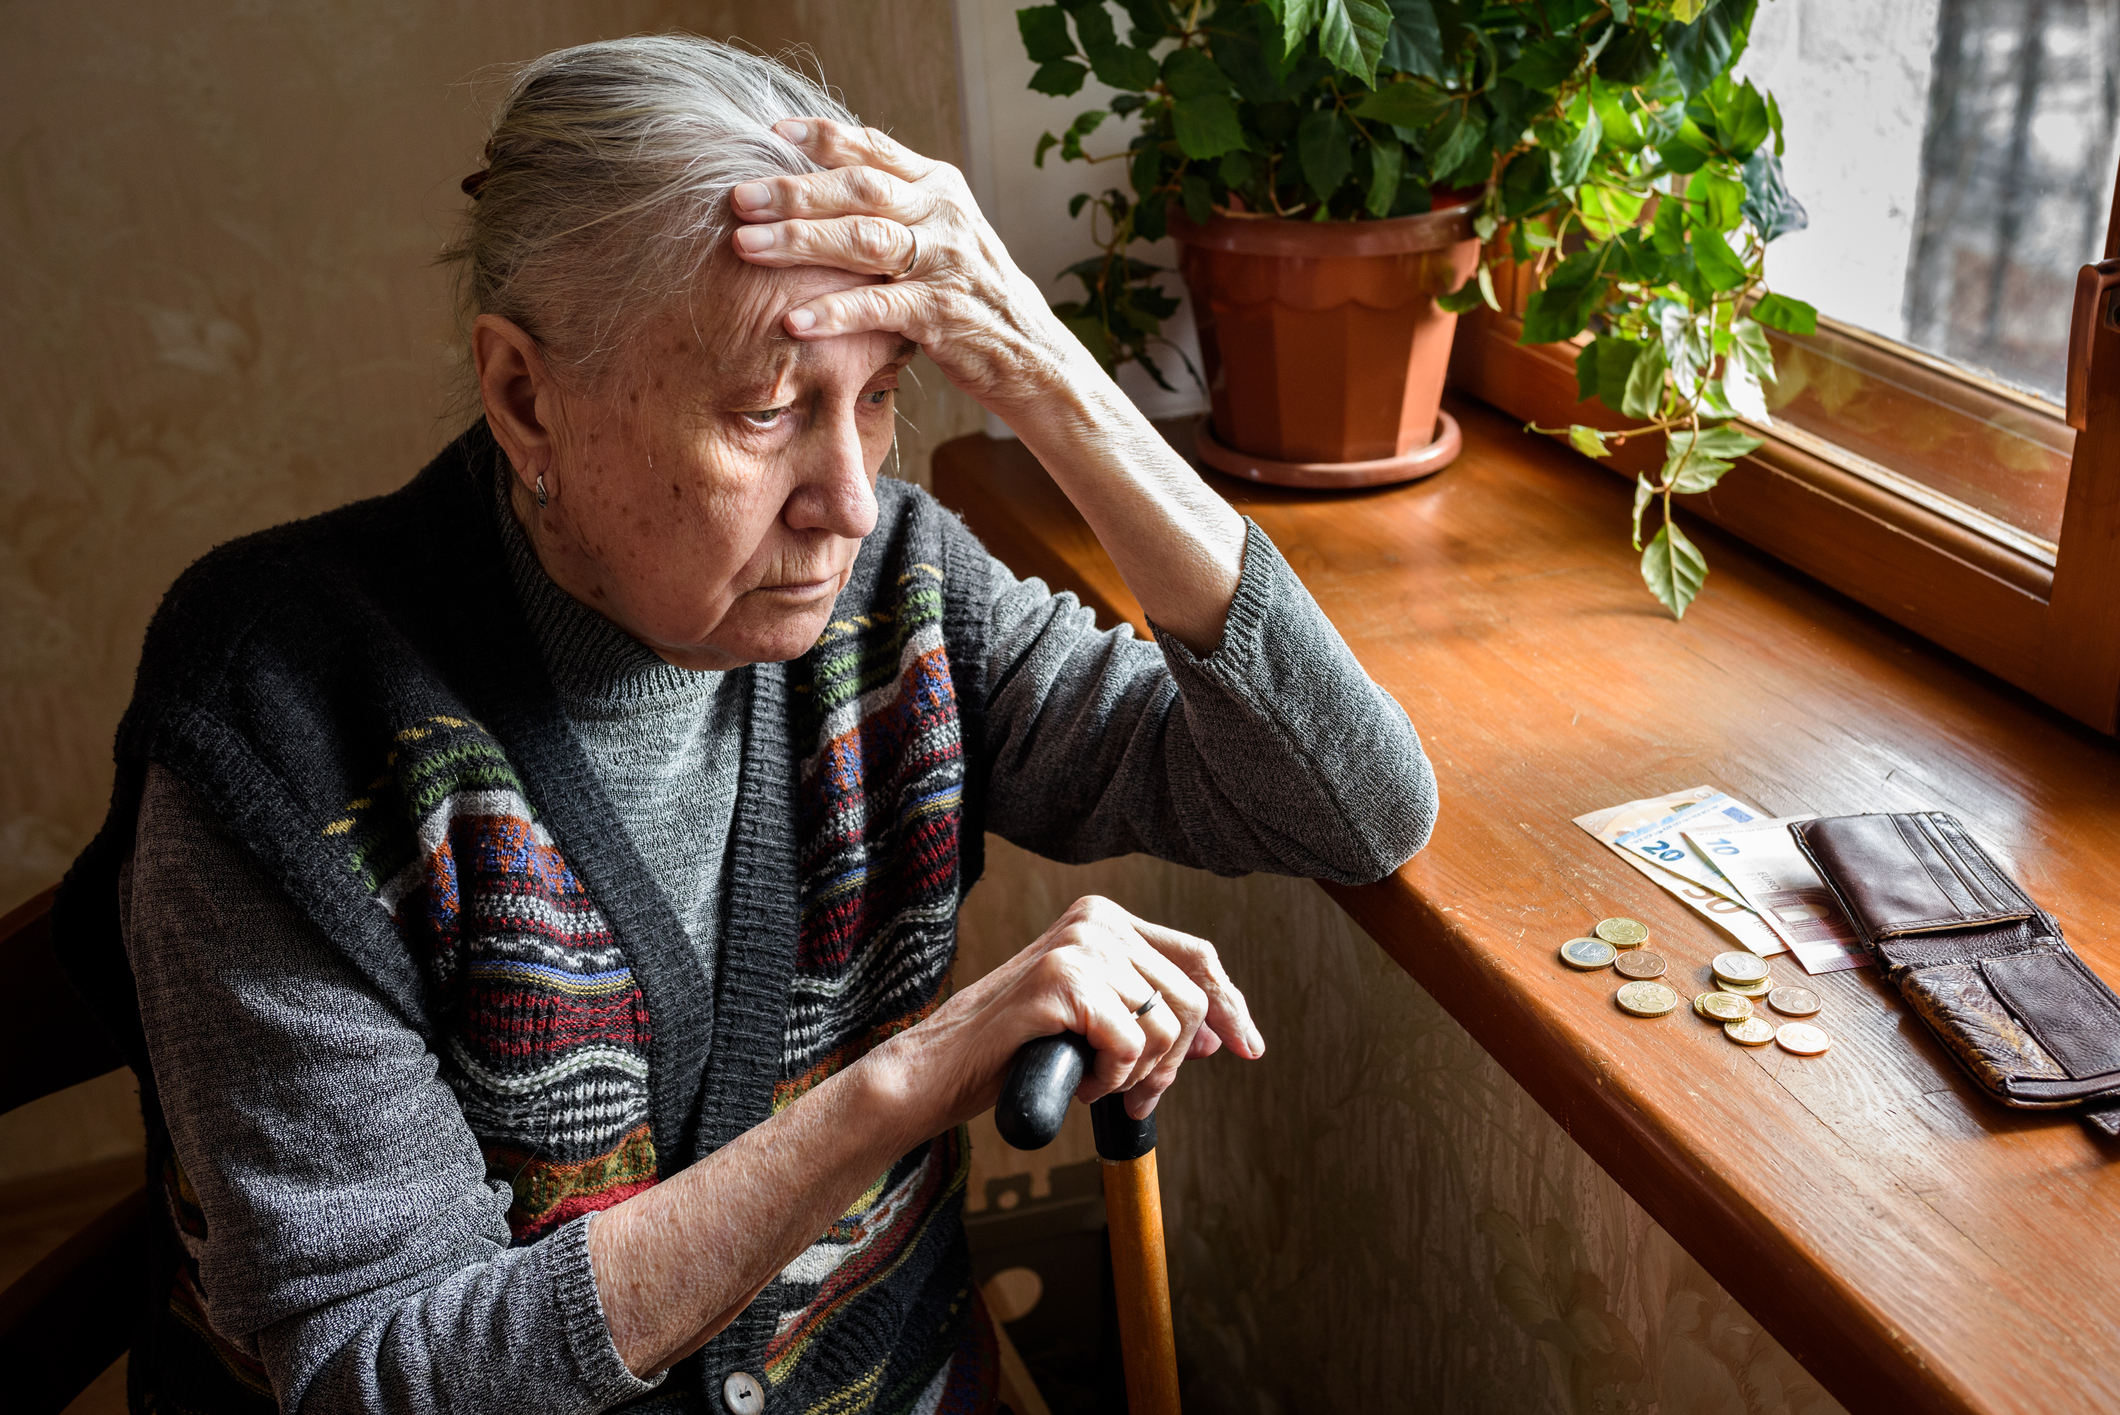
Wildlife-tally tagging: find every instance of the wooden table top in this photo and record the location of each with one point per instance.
(1914, 1244)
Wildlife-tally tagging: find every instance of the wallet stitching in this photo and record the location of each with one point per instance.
(1939, 842)
(1941, 920)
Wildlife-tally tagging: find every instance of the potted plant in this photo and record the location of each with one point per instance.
(1600, 146)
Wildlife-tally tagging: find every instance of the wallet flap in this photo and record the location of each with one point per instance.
(2073, 1014)
(1911, 873)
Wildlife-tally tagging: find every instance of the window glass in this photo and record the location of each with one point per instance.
(1957, 160)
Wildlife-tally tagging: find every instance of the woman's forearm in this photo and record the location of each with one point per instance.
(1178, 544)
(676, 1263)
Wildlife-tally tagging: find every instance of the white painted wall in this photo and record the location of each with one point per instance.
(1028, 205)
(1852, 78)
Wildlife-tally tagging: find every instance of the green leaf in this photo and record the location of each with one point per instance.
(1150, 16)
(1572, 162)
(1551, 315)
(1774, 122)
(1123, 66)
(1527, 183)
(1622, 132)
(1700, 474)
(1607, 211)
(1322, 144)
(1189, 73)
(1146, 173)
(1076, 202)
(1463, 144)
(1719, 265)
(1715, 202)
(1667, 233)
(1090, 330)
(1694, 462)
(1742, 391)
(1629, 58)
(1044, 31)
(1093, 24)
(1787, 315)
(1688, 151)
(1249, 51)
(1411, 104)
(1465, 297)
(1485, 275)
(1046, 143)
(1674, 569)
(1644, 393)
(1616, 358)
(1586, 371)
(1059, 78)
(1082, 127)
(1644, 493)
(1768, 206)
(1351, 34)
(1753, 348)
(1587, 440)
(1198, 197)
(1206, 126)
(1298, 18)
(1387, 164)
(1416, 42)
(1704, 49)
(1546, 63)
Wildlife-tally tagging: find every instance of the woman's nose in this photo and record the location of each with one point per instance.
(835, 491)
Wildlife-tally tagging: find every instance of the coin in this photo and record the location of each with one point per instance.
(1751, 1032)
(1622, 933)
(1794, 1002)
(1740, 967)
(1802, 1038)
(1758, 989)
(1646, 999)
(1588, 954)
(1722, 1006)
(1639, 965)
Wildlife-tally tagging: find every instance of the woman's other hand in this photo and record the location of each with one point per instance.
(1093, 972)
(882, 209)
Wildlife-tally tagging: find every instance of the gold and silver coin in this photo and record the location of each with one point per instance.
(1751, 1032)
(1802, 1038)
(1623, 933)
(1646, 999)
(1794, 1002)
(1722, 1006)
(1740, 967)
(1758, 989)
(1640, 965)
(1587, 955)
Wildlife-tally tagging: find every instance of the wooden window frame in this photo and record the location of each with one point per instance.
(2049, 627)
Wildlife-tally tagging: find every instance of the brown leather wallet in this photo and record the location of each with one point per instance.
(1982, 964)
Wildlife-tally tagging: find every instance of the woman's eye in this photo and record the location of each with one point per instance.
(880, 396)
(766, 417)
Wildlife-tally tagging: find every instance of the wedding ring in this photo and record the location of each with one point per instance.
(914, 234)
(1149, 1006)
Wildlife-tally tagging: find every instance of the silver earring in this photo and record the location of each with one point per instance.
(540, 491)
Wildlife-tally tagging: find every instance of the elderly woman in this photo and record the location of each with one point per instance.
(530, 896)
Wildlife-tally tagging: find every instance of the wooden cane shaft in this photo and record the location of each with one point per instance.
(1134, 1205)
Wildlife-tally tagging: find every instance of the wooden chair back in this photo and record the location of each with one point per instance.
(65, 1320)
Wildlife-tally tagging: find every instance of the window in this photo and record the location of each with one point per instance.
(1957, 159)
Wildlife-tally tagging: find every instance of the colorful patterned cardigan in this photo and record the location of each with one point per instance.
(358, 699)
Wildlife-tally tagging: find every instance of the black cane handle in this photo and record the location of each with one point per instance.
(1040, 1083)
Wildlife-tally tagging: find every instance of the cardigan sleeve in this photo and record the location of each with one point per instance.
(1273, 752)
(352, 1242)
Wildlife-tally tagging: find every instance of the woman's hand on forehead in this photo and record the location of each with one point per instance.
(880, 208)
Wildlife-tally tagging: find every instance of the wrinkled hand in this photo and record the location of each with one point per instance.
(1089, 973)
(882, 209)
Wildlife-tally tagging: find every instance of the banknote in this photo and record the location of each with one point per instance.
(1654, 830)
(1732, 917)
(1771, 874)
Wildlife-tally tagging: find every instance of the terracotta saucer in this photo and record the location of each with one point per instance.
(1333, 476)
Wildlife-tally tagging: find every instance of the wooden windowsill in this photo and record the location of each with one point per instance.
(1913, 1244)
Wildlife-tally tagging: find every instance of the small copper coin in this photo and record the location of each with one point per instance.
(1722, 1006)
(1587, 955)
(1794, 1002)
(1639, 965)
(1758, 989)
(1751, 1032)
(1623, 933)
(1740, 967)
(1646, 999)
(1802, 1038)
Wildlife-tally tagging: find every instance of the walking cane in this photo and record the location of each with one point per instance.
(1041, 1081)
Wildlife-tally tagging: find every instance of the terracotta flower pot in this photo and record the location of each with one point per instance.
(1323, 346)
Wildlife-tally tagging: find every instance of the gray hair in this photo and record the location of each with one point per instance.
(607, 183)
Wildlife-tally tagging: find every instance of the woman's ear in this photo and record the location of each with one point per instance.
(520, 397)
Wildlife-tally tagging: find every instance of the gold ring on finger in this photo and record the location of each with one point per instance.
(913, 235)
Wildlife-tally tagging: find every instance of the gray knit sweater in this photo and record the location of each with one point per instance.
(309, 1118)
